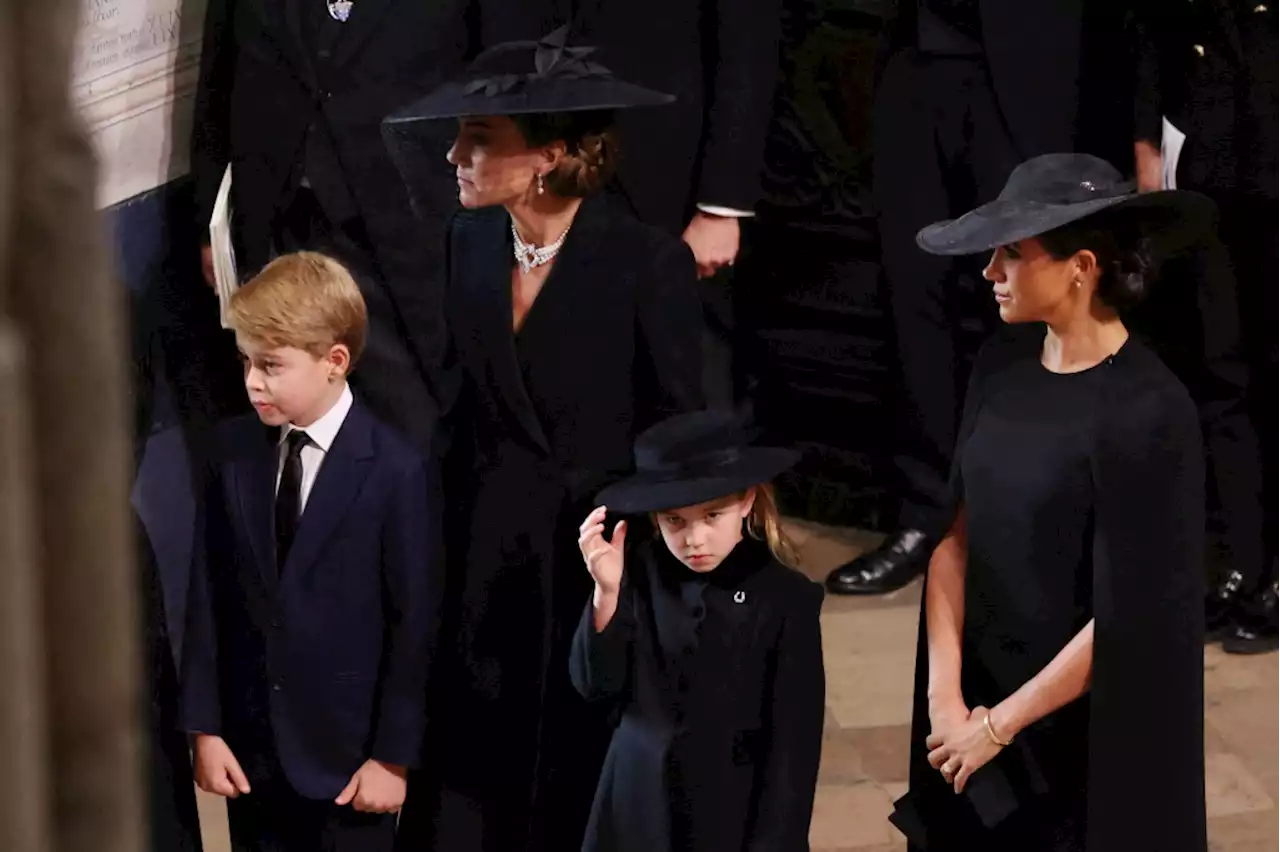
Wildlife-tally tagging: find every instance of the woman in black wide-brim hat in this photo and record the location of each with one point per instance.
(1058, 693)
(572, 328)
(708, 648)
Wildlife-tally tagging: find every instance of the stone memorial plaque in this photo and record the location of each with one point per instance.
(136, 68)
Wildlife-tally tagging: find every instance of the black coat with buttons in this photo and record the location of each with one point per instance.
(719, 686)
(1210, 67)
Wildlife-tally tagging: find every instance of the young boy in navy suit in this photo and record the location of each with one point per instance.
(313, 611)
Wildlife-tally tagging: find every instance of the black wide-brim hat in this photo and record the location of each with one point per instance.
(691, 459)
(522, 77)
(1053, 190)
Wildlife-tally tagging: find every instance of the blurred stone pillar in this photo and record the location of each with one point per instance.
(70, 766)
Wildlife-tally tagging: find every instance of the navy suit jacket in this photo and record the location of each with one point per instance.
(324, 664)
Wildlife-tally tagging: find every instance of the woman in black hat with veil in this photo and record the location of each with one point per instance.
(1059, 683)
(572, 328)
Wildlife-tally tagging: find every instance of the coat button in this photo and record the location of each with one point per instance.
(1198, 48)
(277, 686)
(1260, 8)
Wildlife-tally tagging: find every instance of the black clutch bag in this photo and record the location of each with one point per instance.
(994, 793)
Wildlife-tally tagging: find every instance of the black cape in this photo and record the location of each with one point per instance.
(1122, 767)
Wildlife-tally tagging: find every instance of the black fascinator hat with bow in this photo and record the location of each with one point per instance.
(522, 77)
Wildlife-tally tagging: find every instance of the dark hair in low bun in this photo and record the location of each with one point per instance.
(1125, 258)
(591, 148)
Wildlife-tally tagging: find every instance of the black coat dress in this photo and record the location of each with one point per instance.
(1083, 499)
(719, 682)
(542, 420)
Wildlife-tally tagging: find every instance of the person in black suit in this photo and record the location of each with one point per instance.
(291, 96)
(1209, 67)
(573, 327)
(972, 88)
(694, 169)
(313, 605)
(707, 646)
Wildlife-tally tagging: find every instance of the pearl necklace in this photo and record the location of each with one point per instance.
(528, 255)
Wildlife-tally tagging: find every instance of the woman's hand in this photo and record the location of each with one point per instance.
(945, 714)
(961, 750)
(604, 558)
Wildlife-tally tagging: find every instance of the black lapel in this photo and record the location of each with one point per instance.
(345, 468)
(365, 16)
(254, 481)
(488, 271)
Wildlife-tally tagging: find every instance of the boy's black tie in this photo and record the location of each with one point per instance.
(289, 495)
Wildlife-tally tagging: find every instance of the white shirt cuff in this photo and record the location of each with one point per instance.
(728, 212)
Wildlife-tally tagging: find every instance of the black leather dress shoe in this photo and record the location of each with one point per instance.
(1254, 631)
(900, 559)
(1222, 605)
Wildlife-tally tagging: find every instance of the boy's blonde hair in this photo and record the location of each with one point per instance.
(305, 301)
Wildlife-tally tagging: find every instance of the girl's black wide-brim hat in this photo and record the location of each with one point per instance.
(691, 459)
(521, 77)
(1053, 190)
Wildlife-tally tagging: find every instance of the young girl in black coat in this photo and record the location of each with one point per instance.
(709, 648)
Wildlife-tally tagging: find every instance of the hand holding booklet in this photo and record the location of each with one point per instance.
(226, 280)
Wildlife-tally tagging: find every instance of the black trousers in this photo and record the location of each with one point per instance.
(941, 147)
(387, 377)
(1211, 316)
(274, 818)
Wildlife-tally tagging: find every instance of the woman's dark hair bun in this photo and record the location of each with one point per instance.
(1125, 257)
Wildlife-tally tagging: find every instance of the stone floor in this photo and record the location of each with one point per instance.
(869, 646)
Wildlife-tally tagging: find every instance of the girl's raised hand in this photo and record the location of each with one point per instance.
(603, 558)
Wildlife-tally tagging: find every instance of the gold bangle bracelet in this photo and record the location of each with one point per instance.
(991, 732)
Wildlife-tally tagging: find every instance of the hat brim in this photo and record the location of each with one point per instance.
(1180, 219)
(646, 492)
(452, 100)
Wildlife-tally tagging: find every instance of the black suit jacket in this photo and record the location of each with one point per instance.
(720, 59)
(262, 87)
(1059, 69)
(324, 664)
(1210, 66)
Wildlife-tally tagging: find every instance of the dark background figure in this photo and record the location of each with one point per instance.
(293, 99)
(812, 326)
(164, 501)
(1209, 66)
(971, 89)
(693, 169)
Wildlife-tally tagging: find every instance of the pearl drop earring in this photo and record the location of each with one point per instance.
(541, 188)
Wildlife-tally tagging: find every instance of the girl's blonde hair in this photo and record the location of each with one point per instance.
(765, 524)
